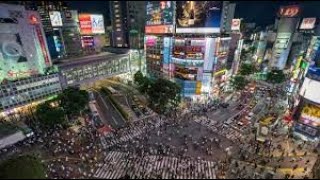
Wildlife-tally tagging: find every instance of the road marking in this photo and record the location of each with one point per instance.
(114, 120)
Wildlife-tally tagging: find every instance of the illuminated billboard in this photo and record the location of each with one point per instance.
(198, 16)
(308, 23)
(310, 90)
(159, 17)
(91, 24)
(310, 115)
(87, 41)
(235, 26)
(289, 11)
(160, 29)
(55, 18)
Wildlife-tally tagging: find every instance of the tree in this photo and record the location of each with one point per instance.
(238, 82)
(247, 69)
(49, 116)
(73, 101)
(22, 167)
(138, 77)
(276, 77)
(164, 94)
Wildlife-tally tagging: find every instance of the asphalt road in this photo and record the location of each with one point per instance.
(223, 114)
(110, 115)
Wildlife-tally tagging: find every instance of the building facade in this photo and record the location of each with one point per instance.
(187, 49)
(21, 31)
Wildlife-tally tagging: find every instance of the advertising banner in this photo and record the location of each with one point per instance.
(166, 50)
(87, 41)
(160, 29)
(235, 26)
(55, 18)
(198, 16)
(97, 24)
(308, 23)
(91, 24)
(85, 24)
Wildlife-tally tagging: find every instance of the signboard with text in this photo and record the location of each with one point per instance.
(55, 18)
(91, 24)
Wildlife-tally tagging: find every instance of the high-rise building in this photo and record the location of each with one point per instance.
(136, 23)
(127, 21)
(195, 54)
(118, 15)
(286, 27)
(71, 32)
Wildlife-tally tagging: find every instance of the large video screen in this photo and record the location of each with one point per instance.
(159, 17)
(310, 115)
(159, 13)
(198, 16)
(91, 24)
(188, 48)
(310, 90)
(186, 73)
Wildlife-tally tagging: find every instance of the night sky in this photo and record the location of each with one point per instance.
(261, 12)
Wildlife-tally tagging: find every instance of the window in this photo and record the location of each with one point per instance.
(117, 20)
(117, 16)
(118, 25)
(119, 38)
(116, 11)
(116, 5)
(118, 29)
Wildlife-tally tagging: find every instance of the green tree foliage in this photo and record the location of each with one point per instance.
(49, 116)
(143, 82)
(138, 77)
(239, 82)
(276, 77)
(247, 69)
(73, 101)
(164, 94)
(23, 167)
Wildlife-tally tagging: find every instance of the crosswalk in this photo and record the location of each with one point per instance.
(112, 139)
(119, 164)
(228, 132)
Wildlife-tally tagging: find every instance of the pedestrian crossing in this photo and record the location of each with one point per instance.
(119, 164)
(112, 139)
(227, 132)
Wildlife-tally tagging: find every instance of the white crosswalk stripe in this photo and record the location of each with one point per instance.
(228, 132)
(111, 139)
(118, 164)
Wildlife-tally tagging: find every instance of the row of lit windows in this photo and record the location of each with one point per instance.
(26, 97)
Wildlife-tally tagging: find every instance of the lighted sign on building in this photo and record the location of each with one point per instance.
(55, 18)
(289, 11)
(91, 24)
(235, 26)
(308, 23)
(198, 16)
